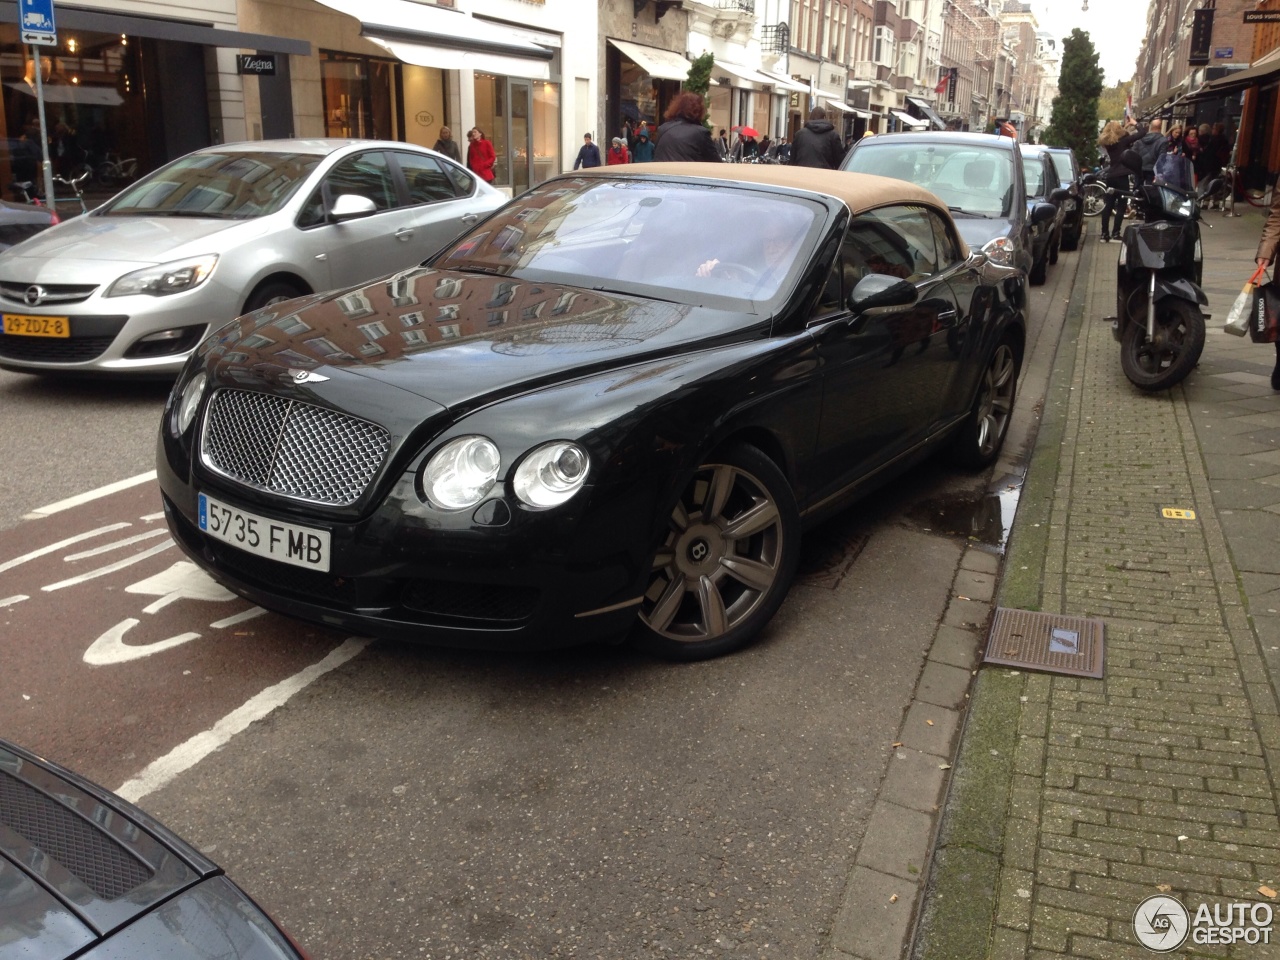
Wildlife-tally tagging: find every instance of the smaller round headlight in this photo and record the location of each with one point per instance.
(190, 402)
(551, 474)
(461, 472)
(999, 251)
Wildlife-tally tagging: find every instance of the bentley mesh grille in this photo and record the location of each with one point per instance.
(101, 864)
(292, 448)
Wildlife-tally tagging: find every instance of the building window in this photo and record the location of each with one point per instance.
(359, 96)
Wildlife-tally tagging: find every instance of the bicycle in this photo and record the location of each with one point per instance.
(75, 183)
(114, 171)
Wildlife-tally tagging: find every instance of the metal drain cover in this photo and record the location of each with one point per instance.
(1046, 641)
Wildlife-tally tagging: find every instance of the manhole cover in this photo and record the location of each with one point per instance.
(1046, 641)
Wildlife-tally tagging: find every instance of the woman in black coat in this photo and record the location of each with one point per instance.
(1114, 142)
(684, 137)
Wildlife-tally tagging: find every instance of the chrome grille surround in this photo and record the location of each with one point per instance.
(53, 293)
(288, 447)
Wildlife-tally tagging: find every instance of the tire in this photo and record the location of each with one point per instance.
(728, 559)
(1071, 239)
(978, 442)
(1175, 352)
(1053, 250)
(273, 291)
(1093, 199)
(1039, 270)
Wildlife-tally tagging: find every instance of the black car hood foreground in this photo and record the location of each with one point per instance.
(459, 339)
(77, 863)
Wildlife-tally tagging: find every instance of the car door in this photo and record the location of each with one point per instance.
(885, 376)
(1034, 173)
(441, 198)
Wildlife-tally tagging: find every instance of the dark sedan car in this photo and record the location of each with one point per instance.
(1069, 174)
(84, 874)
(1043, 190)
(978, 176)
(620, 398)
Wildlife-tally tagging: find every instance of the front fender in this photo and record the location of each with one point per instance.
(1181, 287)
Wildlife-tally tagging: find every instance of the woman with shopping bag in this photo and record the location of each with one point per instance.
(1265, 256)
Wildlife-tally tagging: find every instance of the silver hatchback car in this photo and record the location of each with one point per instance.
(131, 287)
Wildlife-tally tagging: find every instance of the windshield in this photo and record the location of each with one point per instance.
(970, 179)
(230, 186)
(673, 241)
(1033, 171)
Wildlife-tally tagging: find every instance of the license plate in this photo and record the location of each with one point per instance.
(22, 325)
(287, 542)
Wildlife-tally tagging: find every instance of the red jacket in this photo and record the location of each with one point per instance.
(617, 155)
(481, 158)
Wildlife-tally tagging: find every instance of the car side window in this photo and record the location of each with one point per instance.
(1033, 171)
(897, 241)
(464, 184)
(427, 182)
(365, 175)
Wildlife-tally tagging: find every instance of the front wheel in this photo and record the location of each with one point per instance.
(1166, 358)
(982, 434)
(726, 562)
(1094, 199)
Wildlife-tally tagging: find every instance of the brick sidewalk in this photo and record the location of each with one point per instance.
(1160, 777)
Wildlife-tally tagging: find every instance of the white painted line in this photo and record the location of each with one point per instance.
(54, 547)
(113, 545)
(160, 773)
(109, 568)
(148, 517)
(110, 648)
(10, 601)
(80, 498)
(238, 618)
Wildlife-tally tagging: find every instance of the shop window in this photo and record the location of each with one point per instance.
(359, 96)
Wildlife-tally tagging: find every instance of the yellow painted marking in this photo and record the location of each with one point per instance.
(1177, 513)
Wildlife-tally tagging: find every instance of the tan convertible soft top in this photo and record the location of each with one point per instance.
(859, 191)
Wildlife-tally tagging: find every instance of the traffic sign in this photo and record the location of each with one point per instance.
(36, 23)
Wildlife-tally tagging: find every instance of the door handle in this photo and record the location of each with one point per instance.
(469, 218)
(404, 233)
(946, 318)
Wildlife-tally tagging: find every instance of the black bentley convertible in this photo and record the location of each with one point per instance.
(609, 409)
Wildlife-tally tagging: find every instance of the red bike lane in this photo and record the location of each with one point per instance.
(115, 648)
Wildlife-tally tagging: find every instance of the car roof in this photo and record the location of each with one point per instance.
(858, 191)
(319, 146)
(939, 136)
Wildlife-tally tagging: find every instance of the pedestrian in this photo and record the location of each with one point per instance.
(618, 153)
(480, 155)
(588, 155)
(1266, 256)
(1114, 141)
(683, 136)
(1151, 147)
(1173, 167)
(762, 150)
(784, 150)
(722, 144)
(643, 153)
(817, 143)
(1191, 147)
(448, 146)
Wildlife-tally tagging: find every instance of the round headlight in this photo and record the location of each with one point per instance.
(190, 402)
(551, 474)
(999, 251)
(461, 472)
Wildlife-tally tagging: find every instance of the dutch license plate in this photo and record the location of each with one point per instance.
(287, 542)
(22, 325)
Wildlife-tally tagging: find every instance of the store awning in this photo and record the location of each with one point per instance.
(786, 83)
(83, 95)
(432, 36)
(1239, 80)
(656, 62)
(1152, 104)
(927, 109)
(845, 108)
(909, 120)
(744, 74)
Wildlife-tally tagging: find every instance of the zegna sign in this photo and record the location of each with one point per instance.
(260, 64)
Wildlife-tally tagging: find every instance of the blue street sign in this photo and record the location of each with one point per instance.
(36, 23)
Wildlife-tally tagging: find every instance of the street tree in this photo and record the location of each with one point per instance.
(699, 81)
(1074, 121)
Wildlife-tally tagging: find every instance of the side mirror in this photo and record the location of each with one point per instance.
(1059, 195)
(350, 206)
(879, 291)
(1043, 212)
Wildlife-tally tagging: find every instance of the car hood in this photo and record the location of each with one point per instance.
(978, 231)
(77, 862)
(136, 240)
(461, 340)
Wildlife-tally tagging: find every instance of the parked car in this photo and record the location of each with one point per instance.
(978, 176)
(85, 874)
(616, 403)
(1070, 179)
(133, 286)
(18, 221)
(1043, 190)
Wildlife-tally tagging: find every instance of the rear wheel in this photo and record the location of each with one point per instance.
(1053, 250)
(1071, 238)
(1039, 270)
(727, 561)
(982, 435)
(1094, 199)
(1165, 359)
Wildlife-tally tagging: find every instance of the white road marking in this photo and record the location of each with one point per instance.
(162, 772)
(110, 648)
(182, 581)
(148, 517)
(80, 498)
(238, 618)
(114, 545)
(55, 547)
(109, 568)
(18, 598)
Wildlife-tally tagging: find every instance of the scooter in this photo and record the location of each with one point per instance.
(1160, 323)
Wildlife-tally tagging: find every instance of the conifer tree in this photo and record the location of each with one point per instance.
(699, 81)
(1074, 122)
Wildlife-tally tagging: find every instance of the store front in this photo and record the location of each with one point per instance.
(522, 118)
(640, 82)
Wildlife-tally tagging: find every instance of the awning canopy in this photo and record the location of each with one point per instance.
(927, 109)
(839, 105)
(909, 120)
(1149, 105)
(82, 94)
(743, 74)
(785, 83)
(1239, 80)
(432, 36)
(656, 62)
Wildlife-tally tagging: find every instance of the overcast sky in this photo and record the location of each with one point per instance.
(1115, 27)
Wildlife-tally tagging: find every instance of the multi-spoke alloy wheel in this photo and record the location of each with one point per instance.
(727, 560)
(982, 436)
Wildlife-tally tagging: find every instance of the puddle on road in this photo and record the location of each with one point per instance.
(986, 519)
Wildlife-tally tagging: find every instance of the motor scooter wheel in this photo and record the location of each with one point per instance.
(1163, 361)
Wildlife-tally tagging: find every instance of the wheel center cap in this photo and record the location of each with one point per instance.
(699, 550)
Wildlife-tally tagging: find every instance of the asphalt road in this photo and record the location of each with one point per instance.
(425, 803)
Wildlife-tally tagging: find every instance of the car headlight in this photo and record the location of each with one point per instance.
(461, 473)
(190, 402)
(999, 251)
(551, 474)
(165, 278)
